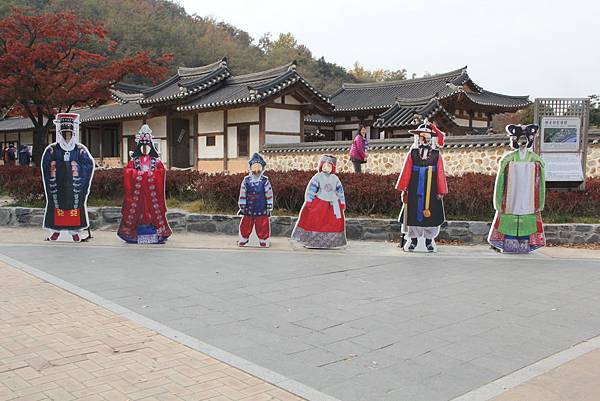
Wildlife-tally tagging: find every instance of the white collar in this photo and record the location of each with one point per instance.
(66, 146)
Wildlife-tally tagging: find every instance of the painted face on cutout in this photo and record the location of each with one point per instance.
(67, 135)
(522, 136)
(425, 139)
(327, 168)
(145, 150)
(256, 168)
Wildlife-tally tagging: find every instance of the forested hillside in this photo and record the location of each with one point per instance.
(165, 27)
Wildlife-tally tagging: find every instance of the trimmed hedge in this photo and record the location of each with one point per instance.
(367, 194)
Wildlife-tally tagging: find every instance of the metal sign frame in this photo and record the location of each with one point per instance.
(566, 107)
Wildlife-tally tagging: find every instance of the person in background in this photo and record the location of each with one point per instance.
(358, 150)
(10, 155)
(24, 156)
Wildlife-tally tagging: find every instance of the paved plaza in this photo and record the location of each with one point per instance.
(367, 323)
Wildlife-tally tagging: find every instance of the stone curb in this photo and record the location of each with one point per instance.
(468, 232)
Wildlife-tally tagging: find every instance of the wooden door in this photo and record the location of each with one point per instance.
(179, 141)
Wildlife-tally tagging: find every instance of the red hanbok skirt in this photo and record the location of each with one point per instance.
(318, 227)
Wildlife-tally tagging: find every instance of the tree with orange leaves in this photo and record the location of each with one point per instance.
(50, 63)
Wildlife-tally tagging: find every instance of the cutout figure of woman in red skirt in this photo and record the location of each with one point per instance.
(321, 223)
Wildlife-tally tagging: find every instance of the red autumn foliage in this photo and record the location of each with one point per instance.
(470, 195)
(52, 62)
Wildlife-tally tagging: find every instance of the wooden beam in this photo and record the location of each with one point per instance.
(283, 133)
(243, 123)
(288, 106)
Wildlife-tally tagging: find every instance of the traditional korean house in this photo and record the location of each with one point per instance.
(389, 109)
(212, 120)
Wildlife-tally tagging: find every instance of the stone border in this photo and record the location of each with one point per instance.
(468, 232)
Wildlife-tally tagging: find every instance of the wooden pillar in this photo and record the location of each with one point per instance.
(225, 142)
(101, 140)
(302, 126)
(195, 123)
(489, 120)
(262, 114)
(121, 145)
(471, 119)
(169, 150)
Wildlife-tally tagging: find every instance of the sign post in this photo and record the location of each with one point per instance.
(563, 140)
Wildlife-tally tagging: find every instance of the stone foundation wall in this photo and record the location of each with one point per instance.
(593, 161)
(458, 158)
(469, 232)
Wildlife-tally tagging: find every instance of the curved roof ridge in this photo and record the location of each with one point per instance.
(203, 69)
(458, 72)
(414, 101)
(511, 96)
(265, 74)
(129, 88)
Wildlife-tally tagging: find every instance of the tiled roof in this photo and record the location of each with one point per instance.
(382, 95)
(487, 98)
(462, 141)
(410, 112)
(16, 124)
(451, 142)
(106, 112)
(113, 111)
(318, 119)
(253, 88)
(186, 82)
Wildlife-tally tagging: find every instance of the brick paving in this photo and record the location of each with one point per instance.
(57, 346)
(577, 380)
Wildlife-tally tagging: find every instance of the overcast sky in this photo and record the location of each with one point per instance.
(539, 48)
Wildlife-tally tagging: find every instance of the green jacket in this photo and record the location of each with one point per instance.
(512, 224)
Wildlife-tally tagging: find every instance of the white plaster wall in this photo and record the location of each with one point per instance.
(463, 122)
(27, 137)
(161, 146)
(232, 142)
(400, 132)
(131, 127)
(210, 152)
(344, 127)
(158, 125)
(282, 138)
(125, 155)
(282, 120)
(254, 139)
(289, 99)
(242, 115)
(210, 122)
(479, 124)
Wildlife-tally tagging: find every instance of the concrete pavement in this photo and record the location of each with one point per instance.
(366, 323)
